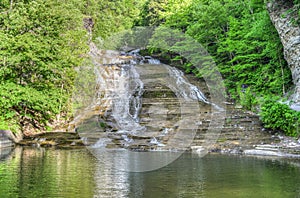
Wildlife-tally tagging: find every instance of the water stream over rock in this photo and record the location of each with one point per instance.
(140, 104)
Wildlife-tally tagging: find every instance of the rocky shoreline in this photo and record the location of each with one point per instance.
(282, 146)
(53, 139)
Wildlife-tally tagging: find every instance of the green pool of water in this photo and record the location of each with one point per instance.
(33, 172)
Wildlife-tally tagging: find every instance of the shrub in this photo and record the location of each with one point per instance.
(278, 116)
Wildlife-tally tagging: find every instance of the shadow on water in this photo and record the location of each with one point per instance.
(47, 172)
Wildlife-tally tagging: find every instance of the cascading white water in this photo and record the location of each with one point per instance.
(119, 93)
(153, 61)
(184, 88)
(127, 100)
(123, 88)
(128, 90)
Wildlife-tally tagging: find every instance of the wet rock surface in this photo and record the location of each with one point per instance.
(53, 139)
(160, 115)
(243, 133)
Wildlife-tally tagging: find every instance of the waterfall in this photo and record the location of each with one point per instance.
(124, 90)
(127, 99)
(184, 88)
(118, 99)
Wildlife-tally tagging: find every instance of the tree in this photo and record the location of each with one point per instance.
(111, 16)
(41, 43)
(154, 12)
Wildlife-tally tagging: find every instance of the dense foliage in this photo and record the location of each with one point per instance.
(110, 16)
(280, 117)
(41, 42)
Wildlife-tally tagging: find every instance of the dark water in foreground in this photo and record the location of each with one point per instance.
(31, 172)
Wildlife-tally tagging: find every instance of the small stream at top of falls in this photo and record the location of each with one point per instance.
(118, 101)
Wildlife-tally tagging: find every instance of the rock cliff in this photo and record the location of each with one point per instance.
(282, 14)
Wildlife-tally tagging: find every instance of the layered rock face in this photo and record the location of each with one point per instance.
(282, 17)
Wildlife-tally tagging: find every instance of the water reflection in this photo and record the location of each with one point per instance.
(129, 161)
(110, 181)
(171, 181)
(32, 172)
(219, 176)
(37, 172)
